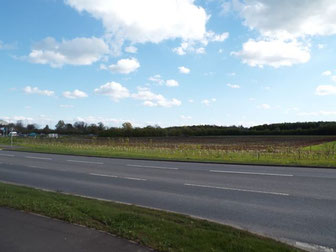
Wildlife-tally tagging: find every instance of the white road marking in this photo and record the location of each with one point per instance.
(103, 175)
(37, 167)
(254, 173)
(113, 176)
(237, 189)
(153, 167)
(86, 162)
(41, 158)
(7, 155)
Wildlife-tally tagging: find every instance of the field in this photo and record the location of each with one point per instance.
(277, 150)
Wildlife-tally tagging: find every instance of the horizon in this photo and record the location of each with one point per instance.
(178, 63)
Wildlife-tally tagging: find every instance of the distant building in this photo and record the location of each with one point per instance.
(3, 128)
(53, 135)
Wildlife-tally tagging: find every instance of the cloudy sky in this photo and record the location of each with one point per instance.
(168, 62)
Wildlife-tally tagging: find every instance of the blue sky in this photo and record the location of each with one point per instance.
(167, 62)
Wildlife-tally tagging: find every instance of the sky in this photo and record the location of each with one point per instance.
(167, 62)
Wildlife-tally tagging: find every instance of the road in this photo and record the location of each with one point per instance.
(288, 203)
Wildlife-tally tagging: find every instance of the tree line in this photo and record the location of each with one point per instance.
(127, 129)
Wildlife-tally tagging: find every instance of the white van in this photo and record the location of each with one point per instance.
(13, 133)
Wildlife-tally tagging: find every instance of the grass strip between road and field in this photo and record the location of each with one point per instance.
(160, 230)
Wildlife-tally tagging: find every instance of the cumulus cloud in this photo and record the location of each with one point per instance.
(131, 49)
(289, 18)
(285, 25)
(264, 106)
(74, 94)
(158, 79)
(148, 20)
(78, 51)
(185, 118)
(153, 100)
(114, 90)
(125, 66)
(323, 90)
(207, 102)
(172, 83)
(184, 70)
(275, 53)
(233, 85)
(36, 90)
(327, 73)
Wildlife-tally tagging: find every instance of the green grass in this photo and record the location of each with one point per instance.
(308, 156)
(160, 230)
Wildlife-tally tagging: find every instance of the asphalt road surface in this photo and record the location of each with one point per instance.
(297, 205)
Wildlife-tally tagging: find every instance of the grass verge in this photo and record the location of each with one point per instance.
(159, 230)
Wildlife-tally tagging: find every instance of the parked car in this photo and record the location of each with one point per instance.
(13, 133)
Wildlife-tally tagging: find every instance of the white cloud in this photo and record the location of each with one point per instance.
(333, 78)
(326, 73)
(207, 102)
(131, 49)
(325, 90)
(147, 20)
(264, 106)
(289, 18)
(191, 100)
(185, 118)
(153, 100)
(78, 51)
(233, 85)
(318, 113)
(198, 46)
(184, 70)
(74, 94)
(200, 50)
(66, 106)
(114, 90)
(275, 53)
(321, 46)
(157, 79)
(172, 83)
(125, 66)
(285, 26)
(36, 90)
(210, 36)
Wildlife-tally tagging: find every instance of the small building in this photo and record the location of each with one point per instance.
(52, 135)
(4, 128)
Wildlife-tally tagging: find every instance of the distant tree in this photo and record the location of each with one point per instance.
(127, 126)
(60, 125)
(46, 129)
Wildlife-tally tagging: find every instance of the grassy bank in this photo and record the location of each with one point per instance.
(156, 229)
(322, 155)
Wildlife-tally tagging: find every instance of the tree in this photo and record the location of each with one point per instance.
(127, 126)
(60, 125)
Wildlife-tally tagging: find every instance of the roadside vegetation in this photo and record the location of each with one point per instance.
(160, 230)
(276, 150)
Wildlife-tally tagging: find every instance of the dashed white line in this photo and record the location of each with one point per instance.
(7, 155)
(85, 162)
(254, 173)
(37, 167)
(236, 189)
(103, 175)
(113, 176)
(153, 167)
(41, 158)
